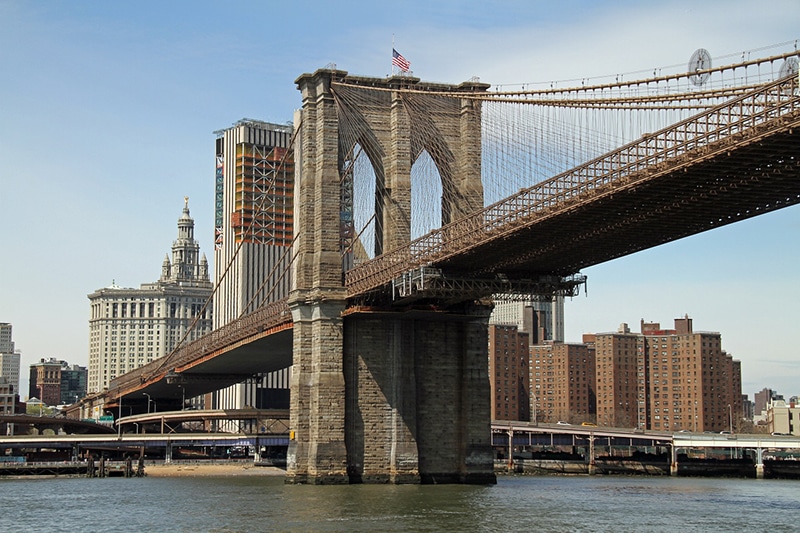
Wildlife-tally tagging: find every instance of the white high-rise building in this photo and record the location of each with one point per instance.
(512, 312)
(131, 327)
(9, 358)
(254, 215)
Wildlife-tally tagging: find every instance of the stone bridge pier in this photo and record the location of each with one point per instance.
(381, 395)
(417, 397)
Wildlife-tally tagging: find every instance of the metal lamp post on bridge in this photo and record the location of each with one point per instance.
(730, 418)
(510, 448)
(155, 407)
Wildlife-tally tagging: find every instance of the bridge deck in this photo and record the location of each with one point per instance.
(678, 440)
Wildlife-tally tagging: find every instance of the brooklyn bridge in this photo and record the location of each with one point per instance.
(416, 203)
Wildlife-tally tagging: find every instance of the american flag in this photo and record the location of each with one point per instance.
(399, 61)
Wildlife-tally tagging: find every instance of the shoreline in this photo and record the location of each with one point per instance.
(208, 470)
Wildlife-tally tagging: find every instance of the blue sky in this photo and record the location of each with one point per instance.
(107, 113)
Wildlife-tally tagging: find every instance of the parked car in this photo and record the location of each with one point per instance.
(562, 423)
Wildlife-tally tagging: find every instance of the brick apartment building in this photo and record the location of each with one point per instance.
(562, 382)
(508, 372)
(667, 379)
(660, 379)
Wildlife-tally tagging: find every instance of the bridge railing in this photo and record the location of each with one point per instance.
(739, 121)
(263, 319)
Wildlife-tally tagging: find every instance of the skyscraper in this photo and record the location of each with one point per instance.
(9, 358)
(6, 340)
(547, 315)
(254, 214)
(131, 327)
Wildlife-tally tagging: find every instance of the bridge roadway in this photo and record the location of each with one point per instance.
(131, 431)
(529, 434)
(146, 440)
(524, 434)
(226, 356)
(735, 161)
(69, 425)
(274, 420)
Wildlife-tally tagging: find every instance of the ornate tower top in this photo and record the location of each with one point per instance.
(186, 264)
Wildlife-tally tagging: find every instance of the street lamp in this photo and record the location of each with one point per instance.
(730, 418)
(510, 447)
(155, 407)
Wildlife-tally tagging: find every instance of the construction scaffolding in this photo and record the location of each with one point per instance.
(264, 195)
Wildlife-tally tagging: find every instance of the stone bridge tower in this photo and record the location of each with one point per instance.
(382, 395)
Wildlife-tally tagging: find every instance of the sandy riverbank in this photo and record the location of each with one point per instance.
(208, 470)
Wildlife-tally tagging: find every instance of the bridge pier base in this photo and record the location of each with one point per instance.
(417, 395)
(317, 452)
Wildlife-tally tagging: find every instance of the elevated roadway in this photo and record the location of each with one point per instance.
(679, 440)
(56, 423)
(272, 420)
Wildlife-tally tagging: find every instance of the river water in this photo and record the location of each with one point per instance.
(542, 504)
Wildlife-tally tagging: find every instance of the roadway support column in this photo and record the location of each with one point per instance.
(673, 465)
(759, 463)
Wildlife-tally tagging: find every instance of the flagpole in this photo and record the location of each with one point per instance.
(393, 54)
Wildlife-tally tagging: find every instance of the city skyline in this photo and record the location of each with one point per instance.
(110, 112)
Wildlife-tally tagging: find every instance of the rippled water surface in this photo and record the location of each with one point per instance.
(227, 504)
